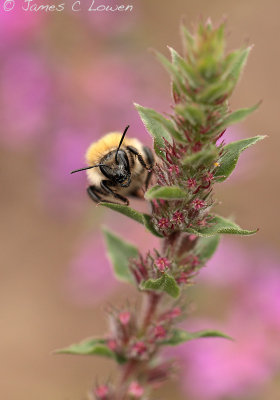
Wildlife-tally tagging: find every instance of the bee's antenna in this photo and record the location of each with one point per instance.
(82, 169)
(122, 138)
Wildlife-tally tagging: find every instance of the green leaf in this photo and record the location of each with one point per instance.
(120, 252)
(206, 246)
(237, 116)
(166, 123)
(156, 128)
(234, 63)
(125, 210)
(220, 225)
(187, 70)
(165, 193)
(91, 346)
(231, 153)
(204, 157)
(165, 283)
(188, 43)
(180, 336)
(176, 75)
(193, 113)
(143, 219)
(214, 92)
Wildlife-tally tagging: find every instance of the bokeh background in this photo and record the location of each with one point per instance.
(66, 79)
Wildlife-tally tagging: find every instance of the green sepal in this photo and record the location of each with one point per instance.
(166, 193)
(180, 336)
(155, 127)
(119, 253)
(206, 247)
(230, 156)
(88, 347)
(219, 225)
(165, 283)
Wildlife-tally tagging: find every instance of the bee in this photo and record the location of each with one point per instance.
(118, 167)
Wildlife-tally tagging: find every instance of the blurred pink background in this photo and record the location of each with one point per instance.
(66, 79)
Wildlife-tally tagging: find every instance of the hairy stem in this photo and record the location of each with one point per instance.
(152, 301)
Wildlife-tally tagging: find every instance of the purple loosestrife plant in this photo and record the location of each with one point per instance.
(189, 163)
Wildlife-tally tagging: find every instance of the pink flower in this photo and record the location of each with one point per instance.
(208, 177)
(124, 317)
(135, 390)
(191, 183)
(198, 204)
(139, 349)
(175, 312)
(174, 168)
(163, 223)
(112, 344)
(159, 332)
(162, 263)
(178, 217)
(102, 391)
(183, 278)
(172, 314)
(194, 261)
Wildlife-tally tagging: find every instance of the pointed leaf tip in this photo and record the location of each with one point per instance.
(180, 336)
(220, 225)
(91, 346)
(157, 126)
(230, 156)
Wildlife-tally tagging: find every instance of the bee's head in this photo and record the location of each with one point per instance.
(116, 167)
(118, 170)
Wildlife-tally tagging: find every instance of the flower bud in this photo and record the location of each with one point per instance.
(135, 390)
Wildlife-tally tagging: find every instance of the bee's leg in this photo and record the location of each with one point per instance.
(138, 193)
(105, 185)
(95, 194)
(148, 179)
(140, 158)
(151, 160)
(150, 156)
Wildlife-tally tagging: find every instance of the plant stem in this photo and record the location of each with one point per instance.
(152, 302)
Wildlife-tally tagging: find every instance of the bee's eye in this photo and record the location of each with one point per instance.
(122, 159)
(121, 177)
